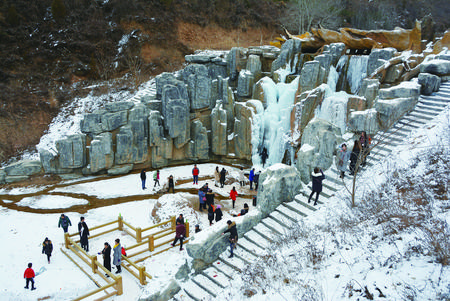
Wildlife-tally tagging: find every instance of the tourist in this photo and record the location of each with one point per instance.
(217, 176)
(210, 197)
(197, 228)
(195, 173)
(180, 219)
(143, 178)
(47, 248)
(223, 173)
(365, 141)
(156, 178)
(317, 179)
(180, 233)
(233, 195)
(171, 183)
(64, 222)
(264, 156)
(29, 276)
(244, 211)
(256, 180)
(201, 199)
(84, 233)
(117, 256)
(211, 210)
(341, 160)
(218, 213)
(241, 177)
(355, 156)
(106, 254)
(233, 236)
(251, 178)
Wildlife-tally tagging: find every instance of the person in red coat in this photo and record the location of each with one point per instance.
(29, 276)
(233, 195)
(195, 173)
(180, 234)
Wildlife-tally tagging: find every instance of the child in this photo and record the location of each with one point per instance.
(29, 276)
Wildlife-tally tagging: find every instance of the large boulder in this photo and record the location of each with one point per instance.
(369, 90)
(336, 50)
(161, 153)
(92, 122)
(319, 141)
(119, 106)
(391, 110)
(311, 76)
(168, 290)
(219, 130)
(378, 57)
(72, 151)
(2, 176)
(50, 163)
(24, 168)
(199, 85)
(176, 113)
(436, 66)
(243, 130)
(120, 169)
(254, 66)
(114, 120)
(101, 154)
(403, 90)
(288, 50)
(131, 143)
(236, 61)
(155, 128)
(245, 83)
(429, 83)
(367, 121)
(199, 136)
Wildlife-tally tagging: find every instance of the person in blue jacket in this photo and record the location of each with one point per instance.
(251, 177)
(317, 178)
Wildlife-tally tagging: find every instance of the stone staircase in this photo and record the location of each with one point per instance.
(255, 242)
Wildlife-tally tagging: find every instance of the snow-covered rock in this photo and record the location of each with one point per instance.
(437, 67)
(429, 83)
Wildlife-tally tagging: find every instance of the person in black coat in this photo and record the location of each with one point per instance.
(210, 214)
(209, 197)
(143, 179)
(223, 173)
(84, 234)
(106, 253)
(233, 236)
(256, 179)
(317, 178)
(218, 213)
(355, 156)
(47, 248)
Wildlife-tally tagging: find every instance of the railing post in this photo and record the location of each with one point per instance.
(119, 287)
(151, 243)
(66, 240)
(93, 263)
(120, 222)
(142, 275)
(173, 220)
(187, 229)
(138, 234)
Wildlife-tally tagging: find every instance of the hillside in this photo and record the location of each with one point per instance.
(55, 50)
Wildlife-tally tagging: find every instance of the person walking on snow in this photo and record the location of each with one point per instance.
(156, 178)
(233, 236)
(256, 179)
(317, 179)
(355, 155)
(171, 182)
(64, 222)
(211, 210)
(117, 256)
(180, 233)
(195, 173)
(241, 177)
(106, 254)
(218, 213)
(47, 248)
(223, 173)
(233, 195)
(143, 178)
(29, 276)
(341, 160)
(180, 219)
(84, 234)
(216, 176)
(251, 178)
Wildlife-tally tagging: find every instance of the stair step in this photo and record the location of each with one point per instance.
(224, 268)
(424, 111)
(235, 262)
(432, 103)
(308, 206)
(207, 285)
(250, 247)
(419, 116)
(428, 107)
(298, 208)
(407, 124)
(289, 212)
(256, 238)
(265, 232)
(325, 192)
(245, 255)
(194, 291)
(438, 97)
(281, 218)
(274, 225)
(411, 120)
(218, 277)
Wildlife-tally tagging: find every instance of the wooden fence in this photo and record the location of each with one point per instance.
(143, 237)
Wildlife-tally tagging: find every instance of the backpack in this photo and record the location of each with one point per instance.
(123, 252)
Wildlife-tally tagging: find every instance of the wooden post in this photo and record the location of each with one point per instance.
(93, 263)
(120, 222)
(174, 225)
(142, 275)
(187, 230)
(119, 287)
(138, 234)
(66, 240)
(151, 243)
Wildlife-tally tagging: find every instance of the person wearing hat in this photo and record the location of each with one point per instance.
(47, 248)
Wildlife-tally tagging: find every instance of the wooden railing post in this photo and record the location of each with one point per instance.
(142, 275)
(120, 222)
(94, 263)
(187, 229)
(66, 240)
(138, 234)
(173, 220)
(151, 243)
(119, 287)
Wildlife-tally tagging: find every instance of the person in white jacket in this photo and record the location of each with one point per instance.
(241, 177)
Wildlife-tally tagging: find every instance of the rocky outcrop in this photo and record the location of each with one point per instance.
(319, 141)
(219, 130)
(311, 76)
(367, 121)
(369, 90)
(101, 154)
(199, 142)
(429, 83)
(72, 151)
(378, 57)
(440, 67)
(170, 289)
(288, 50)
(243, 130)
(199, 85)
(245, 83)
(236, 61)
